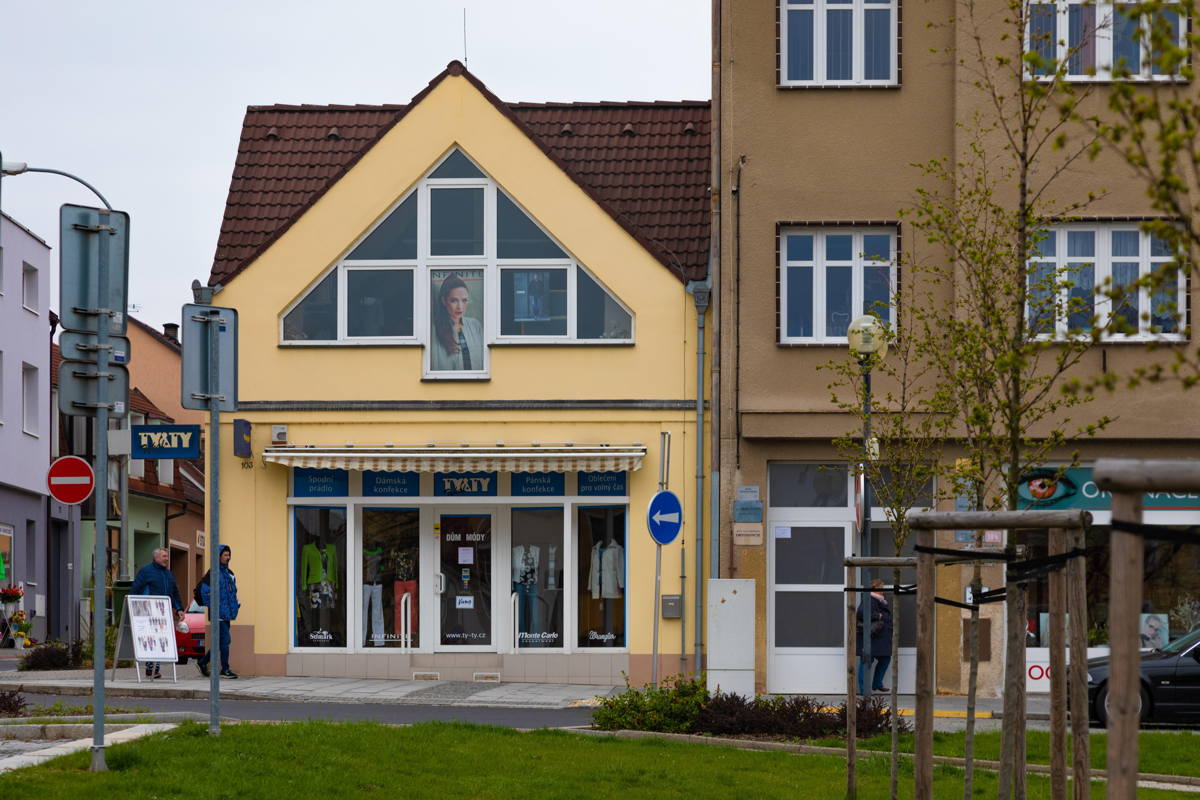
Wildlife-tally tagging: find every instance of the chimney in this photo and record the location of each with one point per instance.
(171, 331)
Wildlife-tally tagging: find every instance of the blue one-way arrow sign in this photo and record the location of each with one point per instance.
(664, 517)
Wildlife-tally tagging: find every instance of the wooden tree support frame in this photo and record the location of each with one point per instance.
(1062, 526)
(1129, 480)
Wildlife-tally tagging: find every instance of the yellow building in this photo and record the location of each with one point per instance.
(464, 326)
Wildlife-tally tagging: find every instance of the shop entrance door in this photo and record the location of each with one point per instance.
(464, 557)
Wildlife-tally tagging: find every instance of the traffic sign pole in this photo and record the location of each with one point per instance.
(101, 553)
(214, 522)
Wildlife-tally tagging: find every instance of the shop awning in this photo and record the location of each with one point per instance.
(475, 458)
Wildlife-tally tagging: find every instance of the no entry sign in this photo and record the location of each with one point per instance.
(70, 480)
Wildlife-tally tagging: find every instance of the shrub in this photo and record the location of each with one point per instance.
(873, 717)
(12, 704)
(52, 655)
(672, 708)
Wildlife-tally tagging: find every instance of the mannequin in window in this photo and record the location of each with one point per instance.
(402, 564)
(525, 562)
(606, 575)
(457, 342)
(318, 584)
(372, 591)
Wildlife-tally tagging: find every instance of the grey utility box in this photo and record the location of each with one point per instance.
(672, 606)
(731, 635)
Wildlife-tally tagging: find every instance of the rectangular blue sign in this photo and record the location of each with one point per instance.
(164, 441)
(538, 484)
(391, 484)
(747, 511)
(602, 483)
(464, 484)
(320, 482)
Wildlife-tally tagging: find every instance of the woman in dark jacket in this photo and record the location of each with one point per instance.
(879, 651)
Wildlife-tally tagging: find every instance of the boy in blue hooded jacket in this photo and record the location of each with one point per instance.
(227, 612)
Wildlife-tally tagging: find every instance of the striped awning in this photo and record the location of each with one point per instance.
(498, 458)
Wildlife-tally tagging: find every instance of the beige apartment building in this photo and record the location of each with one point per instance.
(823, 107)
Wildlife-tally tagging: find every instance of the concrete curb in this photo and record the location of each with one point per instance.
(127, 734)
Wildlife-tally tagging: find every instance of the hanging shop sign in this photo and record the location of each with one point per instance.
(164, 441)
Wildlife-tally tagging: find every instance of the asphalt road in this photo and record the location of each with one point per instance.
(344, 712)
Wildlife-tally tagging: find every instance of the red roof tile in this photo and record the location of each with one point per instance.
(141, 404)
(646, 164)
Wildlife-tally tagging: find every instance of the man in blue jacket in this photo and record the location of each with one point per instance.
(156, 579)
(227, 612)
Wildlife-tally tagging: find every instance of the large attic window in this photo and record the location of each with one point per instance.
(457, 226)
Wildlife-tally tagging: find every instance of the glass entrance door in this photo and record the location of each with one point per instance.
(465, 562)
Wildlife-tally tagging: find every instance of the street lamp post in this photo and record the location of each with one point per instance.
(868, 341)
(101, 494)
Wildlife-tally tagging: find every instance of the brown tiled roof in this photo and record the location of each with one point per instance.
(156, 334)
(143, 405)
(646, 164)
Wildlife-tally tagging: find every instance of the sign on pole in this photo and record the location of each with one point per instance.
(664, 517)
(80, 288)
(164, 441)
(70, 480)
(196, 331)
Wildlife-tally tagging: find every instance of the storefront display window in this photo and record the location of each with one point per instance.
(390, 577)
(601, 576)
(537, 575)
(319, 548)
(1170, 590)
(466, 565)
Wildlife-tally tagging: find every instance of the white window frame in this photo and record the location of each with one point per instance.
(819, 265)
(1105, 14)
(488, 262)
(31, 405)
(820, 9)
(136, 466)
(1103, 273)
(30, 300)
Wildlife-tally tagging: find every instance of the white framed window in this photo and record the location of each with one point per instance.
(838, 42)
(29, 287)
(456, 265)
(1092, 40)
(30, 407)
(1071, 262)
(829, 276)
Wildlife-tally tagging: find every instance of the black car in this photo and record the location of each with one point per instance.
(1170, 683)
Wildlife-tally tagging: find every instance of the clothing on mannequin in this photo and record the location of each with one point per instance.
(607, 571)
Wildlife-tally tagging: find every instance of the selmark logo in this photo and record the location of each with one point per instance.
(465, 485)
(157, 440)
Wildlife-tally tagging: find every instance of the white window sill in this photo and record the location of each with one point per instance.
(33, 311)
(891, 84)
(31, 433)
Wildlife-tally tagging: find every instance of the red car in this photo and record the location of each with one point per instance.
(190, 642)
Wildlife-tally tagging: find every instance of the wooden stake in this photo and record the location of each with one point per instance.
(851, 690)
(923, 742)
(1078, 622)
(1124, 684)
(1058, 670)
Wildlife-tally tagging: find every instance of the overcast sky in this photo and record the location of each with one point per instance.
(144, 98)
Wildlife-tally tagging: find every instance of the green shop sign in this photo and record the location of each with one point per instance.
(1074, 488)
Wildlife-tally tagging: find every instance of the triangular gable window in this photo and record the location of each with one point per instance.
(458, 228)
(517, 236)
(395, 238)
(456, 165)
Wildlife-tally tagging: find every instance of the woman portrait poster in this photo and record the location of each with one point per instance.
(456, 321)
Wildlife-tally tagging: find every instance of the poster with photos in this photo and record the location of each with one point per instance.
(151, 628)
(456, 321)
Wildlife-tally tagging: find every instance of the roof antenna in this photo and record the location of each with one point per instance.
(464, 36)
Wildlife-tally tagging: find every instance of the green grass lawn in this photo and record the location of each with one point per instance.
(1162, 752)
(449, 760)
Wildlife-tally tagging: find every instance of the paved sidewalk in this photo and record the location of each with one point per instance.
(192, 685)
(29, 759)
